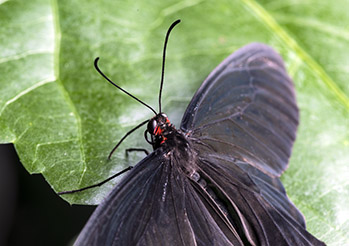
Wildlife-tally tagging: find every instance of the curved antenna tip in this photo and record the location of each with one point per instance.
(163, 60)
(104, 76)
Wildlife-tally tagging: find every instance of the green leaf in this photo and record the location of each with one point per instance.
(64, 119)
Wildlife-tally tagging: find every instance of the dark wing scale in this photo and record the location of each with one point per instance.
(247, 104)
(142, 210)
(113, 212)
(156, 204)
(168, 223)
(272, 190)
(242, 122)
(269, 216)
(210, 225)
(245, 112)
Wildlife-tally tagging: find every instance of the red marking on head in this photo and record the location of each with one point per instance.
(157, 131)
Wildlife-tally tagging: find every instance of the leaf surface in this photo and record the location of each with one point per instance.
(64, 119)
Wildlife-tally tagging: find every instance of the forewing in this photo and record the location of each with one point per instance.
(242, 122)
(156, 205)
(246, 109)
(134, 213)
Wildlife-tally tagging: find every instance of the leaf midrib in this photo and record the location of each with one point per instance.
(270, 22)
(57, 45)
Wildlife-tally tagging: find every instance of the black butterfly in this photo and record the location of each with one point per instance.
(215, 180)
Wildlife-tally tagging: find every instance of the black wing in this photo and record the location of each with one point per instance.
(246, 108)
(156, 204)
(243, 121)
(256, 204)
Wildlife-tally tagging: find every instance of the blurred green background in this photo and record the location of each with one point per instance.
(63, 119)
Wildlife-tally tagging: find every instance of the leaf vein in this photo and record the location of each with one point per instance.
(24, 55)
(26, 91)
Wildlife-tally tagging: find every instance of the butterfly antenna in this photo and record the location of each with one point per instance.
(97, 68)
(163, 60)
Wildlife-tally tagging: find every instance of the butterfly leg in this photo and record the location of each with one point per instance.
(136, 149)
(98, 184)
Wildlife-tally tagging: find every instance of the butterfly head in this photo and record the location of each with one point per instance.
(159, 127)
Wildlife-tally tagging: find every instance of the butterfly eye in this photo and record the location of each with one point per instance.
(164, 115)
(152, 125)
